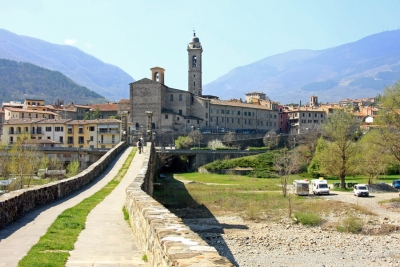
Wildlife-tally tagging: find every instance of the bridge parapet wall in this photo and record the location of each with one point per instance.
(15, 204)
(166, 240)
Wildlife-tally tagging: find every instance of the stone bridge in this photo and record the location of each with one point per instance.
(198, 158)
(166, 240)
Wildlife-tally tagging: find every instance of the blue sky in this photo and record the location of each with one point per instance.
(137, 35)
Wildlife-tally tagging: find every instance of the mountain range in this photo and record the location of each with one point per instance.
(84, 69)
(354, 70)
(20, 81)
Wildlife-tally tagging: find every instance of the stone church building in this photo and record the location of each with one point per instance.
(181, 111)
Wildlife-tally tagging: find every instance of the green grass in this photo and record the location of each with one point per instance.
(53, 247)
(306, 218)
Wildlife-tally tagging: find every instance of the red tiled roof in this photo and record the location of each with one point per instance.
(30, 111)
(105, 107)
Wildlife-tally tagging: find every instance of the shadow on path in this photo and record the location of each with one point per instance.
(174, 196)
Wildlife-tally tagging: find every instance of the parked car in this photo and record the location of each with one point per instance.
(361, 190)
(396, 184)
(206, 131)
(221, 130)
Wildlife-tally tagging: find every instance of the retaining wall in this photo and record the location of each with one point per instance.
(166, 240)
(15, 204)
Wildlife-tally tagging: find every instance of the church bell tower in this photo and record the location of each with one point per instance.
(194, 58)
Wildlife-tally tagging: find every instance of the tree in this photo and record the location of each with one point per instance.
(388, 134)
(286, 163)
(271, 140)
(373, 158)
(195, 137)
(73, 167)
(229, 138)
(4, 161)
(337, 155)
(24, 160)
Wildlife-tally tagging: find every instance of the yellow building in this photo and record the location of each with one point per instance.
(99, 133)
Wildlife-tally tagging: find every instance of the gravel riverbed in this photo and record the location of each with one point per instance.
(283, 243)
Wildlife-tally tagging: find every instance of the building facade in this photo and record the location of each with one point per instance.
(180, 111)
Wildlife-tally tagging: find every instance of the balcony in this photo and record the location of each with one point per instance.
(108, 142)
(105, 131)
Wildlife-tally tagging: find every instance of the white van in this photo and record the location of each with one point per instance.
(301, 187)
(320, 186)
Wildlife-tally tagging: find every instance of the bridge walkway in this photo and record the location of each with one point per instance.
(107, 239)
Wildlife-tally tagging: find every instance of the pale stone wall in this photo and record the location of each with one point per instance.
(163, 236)
(145, 96)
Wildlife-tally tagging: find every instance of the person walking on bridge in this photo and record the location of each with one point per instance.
(139, 145)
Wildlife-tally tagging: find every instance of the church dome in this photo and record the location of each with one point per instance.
(195, 39)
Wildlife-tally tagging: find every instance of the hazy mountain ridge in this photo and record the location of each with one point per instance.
(355, 70)
(20, 80)
(84, 69)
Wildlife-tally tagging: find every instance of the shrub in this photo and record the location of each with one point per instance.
(258, 148)
(215, 144)
(351, 224)
(311, 219)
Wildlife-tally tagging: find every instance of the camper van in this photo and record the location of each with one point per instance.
(320, 186)
(301, 187)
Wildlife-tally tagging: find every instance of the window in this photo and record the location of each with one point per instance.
(177, 118)
(304, 114)
(206, 115)
(171, 97)
(180, 112)
(188, 121)
(194, 61)
(211, 110)
(222, 111)
(80, 131)
(322, 115)
(166, 117)
(91, 128)
(315, 115)
(61, 139)
(70, 129)
(211, 119)
(39, 130)
(48, 129)
(274, 116)
(80, 140)
(91, 138)
(245, 113)
(238, 112)
(217, 111)
(180, 97)
(253, 114)
(70, 140)
(206, 104)
(309, 114)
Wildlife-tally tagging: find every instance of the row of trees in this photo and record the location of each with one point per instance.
(22, 161)
(341, 148)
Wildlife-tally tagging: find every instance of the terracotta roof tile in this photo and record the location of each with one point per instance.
(105, 107)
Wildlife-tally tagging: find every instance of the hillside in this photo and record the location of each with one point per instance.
(355, 70)
(84, 69)
(19, 81)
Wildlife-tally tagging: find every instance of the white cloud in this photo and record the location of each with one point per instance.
(70, 41)
(89, 45)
